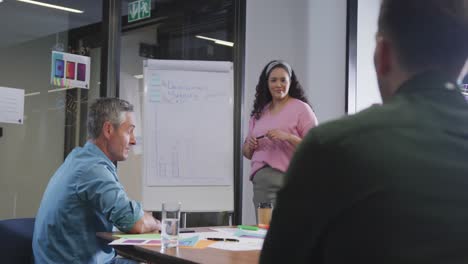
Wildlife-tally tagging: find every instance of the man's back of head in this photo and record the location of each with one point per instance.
(416, 36)
(428, 34)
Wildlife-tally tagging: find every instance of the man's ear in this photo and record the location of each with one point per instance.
(382, 56)
(107, 129)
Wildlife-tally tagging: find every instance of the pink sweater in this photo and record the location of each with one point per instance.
(295, 118)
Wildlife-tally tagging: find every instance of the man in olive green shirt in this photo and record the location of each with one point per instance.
(389, 184)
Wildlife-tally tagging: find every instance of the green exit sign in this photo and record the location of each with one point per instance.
(139, 10)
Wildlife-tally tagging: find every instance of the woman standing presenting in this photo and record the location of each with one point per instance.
(280, 118)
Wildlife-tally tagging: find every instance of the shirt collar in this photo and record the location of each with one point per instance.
(426, 81)
(91, 147)
(442, 97)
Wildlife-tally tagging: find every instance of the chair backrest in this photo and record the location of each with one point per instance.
(16, 246)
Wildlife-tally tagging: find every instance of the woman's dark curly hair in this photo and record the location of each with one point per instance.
(263, 96)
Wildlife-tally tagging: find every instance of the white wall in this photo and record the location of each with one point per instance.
(367, 91)
(311, 36)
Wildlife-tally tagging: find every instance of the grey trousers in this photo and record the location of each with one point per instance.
(266, 183)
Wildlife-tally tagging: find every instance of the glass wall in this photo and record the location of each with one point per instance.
(53, 115)
(175, 30)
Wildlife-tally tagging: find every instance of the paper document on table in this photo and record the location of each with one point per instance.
(205, 235)
(185, 240)
(136, 241)
(260, 233)
(140, 236)
(228, 230)
(244, 244)
(227, 240)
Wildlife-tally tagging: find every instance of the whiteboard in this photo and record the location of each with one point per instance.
(188, 134)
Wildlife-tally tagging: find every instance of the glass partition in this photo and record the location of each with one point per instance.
(175, 30)
(53, 114)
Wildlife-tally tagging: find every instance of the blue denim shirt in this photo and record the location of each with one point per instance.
(83, 197)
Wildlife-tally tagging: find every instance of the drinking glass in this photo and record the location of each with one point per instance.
(170, 216)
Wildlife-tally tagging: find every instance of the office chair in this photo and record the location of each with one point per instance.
(16, 245)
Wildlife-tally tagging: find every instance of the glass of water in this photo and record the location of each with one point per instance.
(170, 216)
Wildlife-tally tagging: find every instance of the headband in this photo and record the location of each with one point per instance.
(275, 63)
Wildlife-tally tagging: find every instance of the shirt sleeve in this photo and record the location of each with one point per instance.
(316, 193)
(99, 188)
(302, 196)
(306, 121)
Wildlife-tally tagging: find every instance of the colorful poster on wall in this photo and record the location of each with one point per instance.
(70, 70)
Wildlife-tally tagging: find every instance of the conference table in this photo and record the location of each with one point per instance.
(182, 255)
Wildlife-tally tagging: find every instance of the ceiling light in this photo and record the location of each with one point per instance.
(52, 6)
(60, 89)
(31, 94)
(217, 41)
(225, 43)
(207, 38)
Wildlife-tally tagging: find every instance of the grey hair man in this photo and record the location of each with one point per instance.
(84, 196)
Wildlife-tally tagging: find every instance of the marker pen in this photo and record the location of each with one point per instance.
(222, 239)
